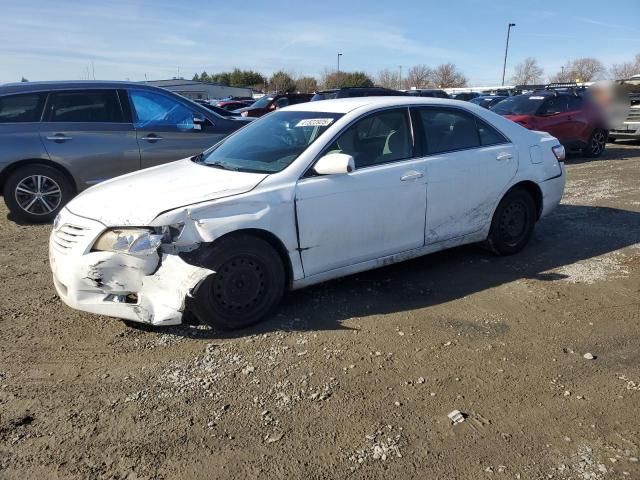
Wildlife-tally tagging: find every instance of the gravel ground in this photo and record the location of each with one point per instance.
(353, 378)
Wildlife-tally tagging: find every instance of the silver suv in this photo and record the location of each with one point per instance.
(59, 138)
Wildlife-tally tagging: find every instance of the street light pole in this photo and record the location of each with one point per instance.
(504, 67)
(400, 80)
(339, 55)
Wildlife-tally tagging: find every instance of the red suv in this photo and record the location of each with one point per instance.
(575, 120)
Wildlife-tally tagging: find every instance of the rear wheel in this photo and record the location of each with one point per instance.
(513, 223)
(248, 283)
(596, 143)
(36, 193)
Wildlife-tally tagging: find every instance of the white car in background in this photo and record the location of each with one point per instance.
(309, 193)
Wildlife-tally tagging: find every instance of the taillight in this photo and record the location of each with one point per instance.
(558, 151)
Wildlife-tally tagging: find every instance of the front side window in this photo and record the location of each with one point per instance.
(379, 138)
(156, 110)
(554, 105)
(85, 107)
(270, 144)
(21, 108)
(447, 130)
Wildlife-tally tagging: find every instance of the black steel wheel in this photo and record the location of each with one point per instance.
(513, 222)
(248, 283)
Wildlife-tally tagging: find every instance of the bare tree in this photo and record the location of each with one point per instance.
(564, 75)
(588, 69)
(419, 76)
(388, 78)
(528, 72)
(306, 85)
(581, 70)
(447, 75)
(626, 70)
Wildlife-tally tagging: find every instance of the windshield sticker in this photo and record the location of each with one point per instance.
(536, 98)
(314, 122)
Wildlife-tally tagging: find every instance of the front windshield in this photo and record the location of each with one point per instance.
(262, 102)
(270, 144)
(519, 105)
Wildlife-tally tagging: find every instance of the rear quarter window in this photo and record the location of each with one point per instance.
(21, 108)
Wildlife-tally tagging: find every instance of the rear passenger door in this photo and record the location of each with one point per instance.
(468, 166)
(166, 130)
(88, 132)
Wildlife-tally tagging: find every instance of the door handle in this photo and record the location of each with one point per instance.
(411, 176)
(151, 137)
(504, 156)
(59, 137)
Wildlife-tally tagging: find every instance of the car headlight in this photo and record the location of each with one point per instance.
(140, 241)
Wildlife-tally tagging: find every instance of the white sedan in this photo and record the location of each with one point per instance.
(308, 193)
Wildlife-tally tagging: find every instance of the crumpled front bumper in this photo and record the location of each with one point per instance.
(144, 288)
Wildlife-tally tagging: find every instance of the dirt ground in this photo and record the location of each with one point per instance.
(353, 378)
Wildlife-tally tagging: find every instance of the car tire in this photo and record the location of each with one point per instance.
(596, 144)
(36, 193)
(513, 222)
(248, 283)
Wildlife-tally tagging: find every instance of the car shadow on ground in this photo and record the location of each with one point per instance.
(572, 233)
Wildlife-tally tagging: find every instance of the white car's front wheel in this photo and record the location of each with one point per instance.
(248, 283)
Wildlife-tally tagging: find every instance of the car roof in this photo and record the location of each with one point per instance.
(345, 105)
(25, 87)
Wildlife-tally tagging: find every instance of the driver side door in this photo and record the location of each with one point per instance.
(165, 128)
(375, 211)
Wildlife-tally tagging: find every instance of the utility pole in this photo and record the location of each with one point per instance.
(339, 55)
(400, 78)
(506, 50)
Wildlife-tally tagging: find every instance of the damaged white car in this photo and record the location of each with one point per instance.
(311, 192)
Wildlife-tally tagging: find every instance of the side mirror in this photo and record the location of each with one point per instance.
(335, 163)
(198, 121)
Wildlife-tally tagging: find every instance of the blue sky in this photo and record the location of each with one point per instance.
(58, 39)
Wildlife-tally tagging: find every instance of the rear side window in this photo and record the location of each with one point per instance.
(448, 130)
(489, 135)
(85, 106)
(21, 108)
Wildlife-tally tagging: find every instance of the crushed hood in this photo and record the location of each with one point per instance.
(138, 197)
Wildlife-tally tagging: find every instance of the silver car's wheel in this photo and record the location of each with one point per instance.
(38, 195)
(36, 192)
